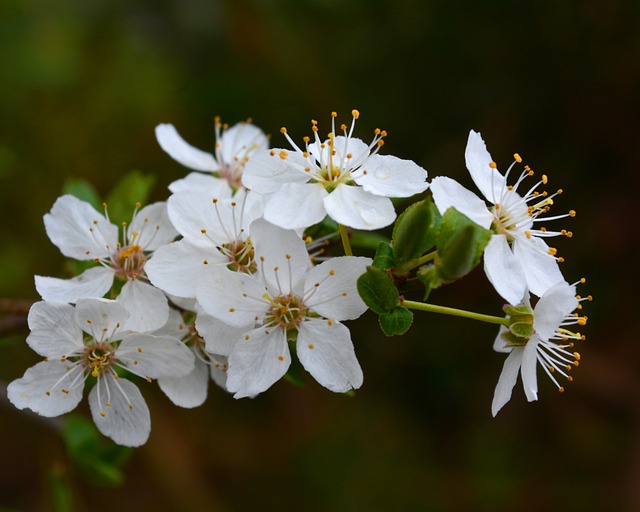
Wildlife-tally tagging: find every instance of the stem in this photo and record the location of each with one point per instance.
(345, 240)
(432, 308)
(410, 265)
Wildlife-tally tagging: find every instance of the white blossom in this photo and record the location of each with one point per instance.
(516, 258)
(342, 177)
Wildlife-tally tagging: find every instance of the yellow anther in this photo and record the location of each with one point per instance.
(205, 262)
(383, 133)
(517, 158)
(306, 139)
(231, 310)
(576, 355)
(528, 233)
(334, 114)
(493, 165)
(283, 154)
(102, 413)
(272, 152)
(553, 251)
(572, 213)
(283, 130)
(280, 358)
(343, 127)
(544, 179)
(332, 272)
(561, 389)
(355, 114)
(310, 345)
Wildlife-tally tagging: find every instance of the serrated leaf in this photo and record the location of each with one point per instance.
(415, 230)
(133, 188)
(377, 290)
(396, 322)
(384, 256)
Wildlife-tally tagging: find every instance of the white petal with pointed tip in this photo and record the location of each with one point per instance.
(553, 307)
(182, 152)
(507, 380)
(488, 180)
(540, 268)
(296, 205)
(356, 208)
(326, 352)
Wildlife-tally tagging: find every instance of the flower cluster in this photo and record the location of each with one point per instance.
(225, 281)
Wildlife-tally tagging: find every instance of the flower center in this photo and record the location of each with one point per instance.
(97, 358)
(129, 261)
(241, 256)
(287, 311)
(520, 327)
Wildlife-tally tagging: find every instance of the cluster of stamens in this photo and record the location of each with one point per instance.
(515, 215)
(331, 162)
(231, 171)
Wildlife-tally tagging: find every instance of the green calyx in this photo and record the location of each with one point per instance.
(520, 326)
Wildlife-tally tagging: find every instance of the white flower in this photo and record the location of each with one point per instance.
(549, 344)
(93, 340)
(341, 177)
(215, 234)
(232, 150)
(287, 300)
(80, 232)
(516, 258)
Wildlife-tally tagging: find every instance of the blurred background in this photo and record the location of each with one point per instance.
(84, 83)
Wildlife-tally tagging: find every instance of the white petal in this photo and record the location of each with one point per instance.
(126, 420)
(390, 176)
(219, 337)
(52, 376)
(447, 193)
(180, 268)
(189, 390)
(153, 227)
(336, 295)
(147, 306)
(155, 356)
(92, 283)
(540, 268)
(258, 362)
(504, 270)
(173, 327)
(507, 380)
(296, 205)
(266, 171)
(528, 369)
(354, 207)
(326, 351)
(101, 318)
(488, 180)
(196, 181)
(79, 231)
(219, 370)
(281, 256)
(54, 331)
(500, 344)
(241, 140)
(553, 307)
(182, 152)
(234, 298)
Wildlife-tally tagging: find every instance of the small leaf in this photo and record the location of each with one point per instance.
(377, 290)
(384, 256)
(396, 322)
(414, 232)
(133, 188)
(430, 278)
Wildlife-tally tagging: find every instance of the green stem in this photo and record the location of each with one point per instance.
(346, 243)
(432, 308)
(410, 265)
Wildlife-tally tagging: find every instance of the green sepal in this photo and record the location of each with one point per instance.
(98, 459)
(430, 278)
(414, 233)
(83, 189)
(133, 188)
(384, 258)
(396, 322)
(522, 329)
(377, 290)
(460, 243)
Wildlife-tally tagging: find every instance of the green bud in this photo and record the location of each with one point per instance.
(414, 233)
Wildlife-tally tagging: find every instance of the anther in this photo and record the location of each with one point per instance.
(517, 158)
(493, 165)
(355, 114)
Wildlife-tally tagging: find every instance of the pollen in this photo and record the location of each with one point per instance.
(517, 158)
(332, 272)
(283, 130)
(310, 345)
(355, 113)
(280, 358)
(283, 154)
(231, 310)
(493, 165)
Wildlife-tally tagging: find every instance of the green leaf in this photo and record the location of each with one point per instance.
(430, 278)
(131, 189)
(98, 459)
(396, 322)
(460, 243)
(415, 231)
(367, 239)
(384, 256)
(377, 290)
(83, 189)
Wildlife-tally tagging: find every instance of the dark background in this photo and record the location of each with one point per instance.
(82, 85)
